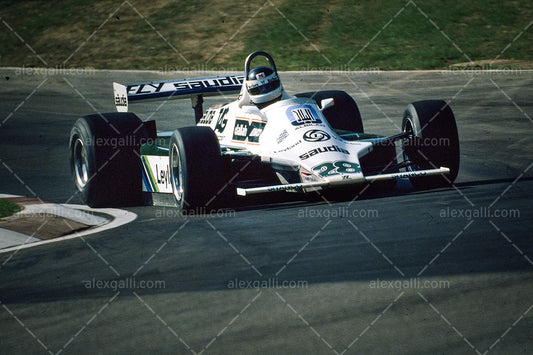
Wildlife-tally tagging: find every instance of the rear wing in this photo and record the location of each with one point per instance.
(177, 89)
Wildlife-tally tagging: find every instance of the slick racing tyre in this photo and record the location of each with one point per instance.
(343, 115)
(105, 161)
(433, 142)
(196, 169)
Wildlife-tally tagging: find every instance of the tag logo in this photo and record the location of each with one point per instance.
(222, 120)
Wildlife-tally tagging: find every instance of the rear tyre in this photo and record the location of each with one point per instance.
(105, 161)
(434, 142)
(343, 115)
(196, 169)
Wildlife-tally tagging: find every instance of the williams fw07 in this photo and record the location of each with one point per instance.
(265, 141)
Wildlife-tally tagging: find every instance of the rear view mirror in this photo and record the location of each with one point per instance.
(324, 104)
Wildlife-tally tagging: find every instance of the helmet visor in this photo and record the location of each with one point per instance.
(264, 89)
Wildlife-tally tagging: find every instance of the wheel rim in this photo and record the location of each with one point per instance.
(80, 162)
(176, 168)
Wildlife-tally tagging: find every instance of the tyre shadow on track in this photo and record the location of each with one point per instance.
(277, 200)
(327, 196)
(407, 232)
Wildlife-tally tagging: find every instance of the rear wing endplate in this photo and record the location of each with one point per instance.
(178, 89)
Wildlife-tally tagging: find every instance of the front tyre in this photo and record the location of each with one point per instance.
(196, 169)
(433, 142)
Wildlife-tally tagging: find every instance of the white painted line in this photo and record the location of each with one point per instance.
(7, 196)
(120, 217)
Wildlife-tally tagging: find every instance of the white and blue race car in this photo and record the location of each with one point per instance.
(264, 141)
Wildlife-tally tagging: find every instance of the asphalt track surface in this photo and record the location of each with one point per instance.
(402, 271)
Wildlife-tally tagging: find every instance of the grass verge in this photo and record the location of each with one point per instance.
(8, 208)
(300, 34)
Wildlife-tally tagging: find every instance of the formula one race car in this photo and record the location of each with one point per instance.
(264, 141)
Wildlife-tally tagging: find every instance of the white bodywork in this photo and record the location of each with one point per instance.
(291, 133)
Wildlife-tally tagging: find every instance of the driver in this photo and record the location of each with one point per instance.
(263, 86)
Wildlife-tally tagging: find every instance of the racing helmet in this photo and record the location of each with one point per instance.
(263, 85)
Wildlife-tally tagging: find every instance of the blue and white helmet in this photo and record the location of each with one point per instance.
(263, 85)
